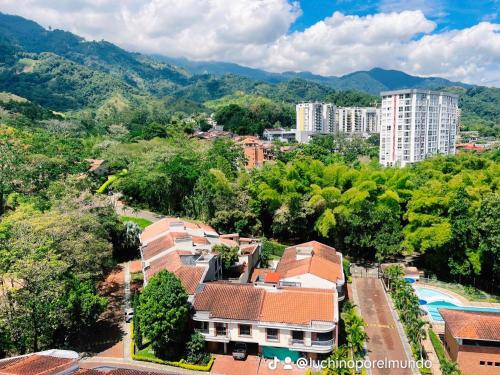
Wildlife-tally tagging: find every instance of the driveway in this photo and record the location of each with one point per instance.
(253, 365)
(383, 337)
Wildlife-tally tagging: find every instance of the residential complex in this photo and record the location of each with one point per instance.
(272, 320)
(358, 120)
(472, 339)
(416, 124)
(314, 118)
(185, 249)
(285, 311)
(280, 311)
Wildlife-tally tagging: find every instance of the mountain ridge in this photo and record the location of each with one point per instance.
(371, 81)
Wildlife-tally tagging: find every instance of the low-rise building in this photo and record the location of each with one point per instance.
(185, 249)
(53, 362)
(256, 152)
(272, 320)
(280, 134)
(472, 339)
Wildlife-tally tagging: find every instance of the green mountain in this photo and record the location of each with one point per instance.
(64, 72)
(372, 81)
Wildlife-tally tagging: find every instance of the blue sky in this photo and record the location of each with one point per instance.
(448, 14)
(454, 39)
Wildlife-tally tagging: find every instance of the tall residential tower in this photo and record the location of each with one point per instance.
(416, 124)
(314, 118)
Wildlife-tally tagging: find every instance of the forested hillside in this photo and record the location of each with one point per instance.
(63, 72)
(64, 100)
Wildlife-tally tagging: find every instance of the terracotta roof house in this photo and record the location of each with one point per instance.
(312, 265)
(282, 320)
(97, 166)
(185, 248)
(49, 362)
(472, 339)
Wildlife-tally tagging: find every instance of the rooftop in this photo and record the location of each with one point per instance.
(188, 272)
(42, 363)
(472, 324)
(298, 306)
(419, 91)
(311, 257)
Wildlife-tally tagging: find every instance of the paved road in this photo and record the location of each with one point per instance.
(123, 210)
(384, 340)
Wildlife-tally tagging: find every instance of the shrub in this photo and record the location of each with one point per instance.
(195, 349)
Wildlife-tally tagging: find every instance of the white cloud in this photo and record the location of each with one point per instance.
(255, 33)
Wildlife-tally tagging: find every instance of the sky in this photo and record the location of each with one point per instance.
(454, 39)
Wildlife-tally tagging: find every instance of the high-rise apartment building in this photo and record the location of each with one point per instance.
(357, 120)
(416, 124)
(314, 118)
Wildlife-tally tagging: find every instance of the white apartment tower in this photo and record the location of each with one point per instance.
(357, 120)
(314, 118)
(416, 124)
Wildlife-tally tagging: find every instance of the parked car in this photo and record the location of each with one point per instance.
(129, 315)
(240, 351)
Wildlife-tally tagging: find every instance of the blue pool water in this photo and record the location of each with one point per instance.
(432, 300)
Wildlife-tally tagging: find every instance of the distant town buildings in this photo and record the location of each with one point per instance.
(416, 124)
(314, 118)
(358, 120)
(279, 134)
(256, 152)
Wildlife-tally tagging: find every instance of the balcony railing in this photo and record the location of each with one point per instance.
(322, 342)
(297, 342)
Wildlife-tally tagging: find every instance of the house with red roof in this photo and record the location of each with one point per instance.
(185, 248)
(472, 339)
(272, 321)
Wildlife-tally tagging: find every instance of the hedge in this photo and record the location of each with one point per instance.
(438, 347)
(181, 363)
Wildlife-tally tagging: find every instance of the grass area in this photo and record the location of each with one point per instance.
(469, 292)
(438, 346)
(142, 223)
(136, 276)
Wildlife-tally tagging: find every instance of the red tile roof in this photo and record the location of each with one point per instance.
(230, 301)
(298, 306)
(272, 277)
(190, 276)
(324, 262)
(285, 305)
(259, 272)
(472, 324)
(35, 364)
(163, 226)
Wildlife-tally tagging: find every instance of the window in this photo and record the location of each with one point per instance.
(482, 363)
(203, 327)
(272, 334)
(220, 329)
(245, 330)
(297, 335)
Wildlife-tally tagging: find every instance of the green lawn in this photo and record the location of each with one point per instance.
(142, 223)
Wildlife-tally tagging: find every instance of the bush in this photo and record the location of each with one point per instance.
(195, 349)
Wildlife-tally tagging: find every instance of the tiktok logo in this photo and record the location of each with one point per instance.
(273, 365)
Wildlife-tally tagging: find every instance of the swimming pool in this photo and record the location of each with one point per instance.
(431, 300)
